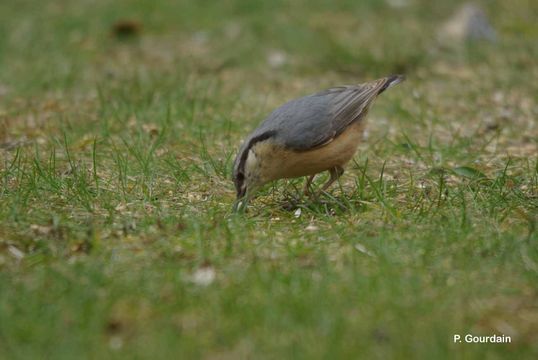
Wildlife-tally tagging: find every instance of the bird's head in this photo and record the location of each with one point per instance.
(248, 176)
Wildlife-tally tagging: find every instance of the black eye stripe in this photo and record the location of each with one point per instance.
(244, 155)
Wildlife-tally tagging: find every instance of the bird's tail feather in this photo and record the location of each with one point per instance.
(390, 81)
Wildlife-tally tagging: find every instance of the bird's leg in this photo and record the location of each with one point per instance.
(309, 180)
(335, 172)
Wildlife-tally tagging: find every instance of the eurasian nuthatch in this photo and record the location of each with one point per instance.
(306, 136)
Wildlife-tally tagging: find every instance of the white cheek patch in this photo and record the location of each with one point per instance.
(251, 162)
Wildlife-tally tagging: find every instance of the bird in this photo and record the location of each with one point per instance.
(306, 136)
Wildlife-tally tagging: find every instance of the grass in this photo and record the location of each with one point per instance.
(116, 236)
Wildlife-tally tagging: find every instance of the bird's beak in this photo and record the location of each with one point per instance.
(240, 205)
(241, 201)
(241, 193)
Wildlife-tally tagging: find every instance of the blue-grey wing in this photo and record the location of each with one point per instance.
(300, 124)
(317, 119)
